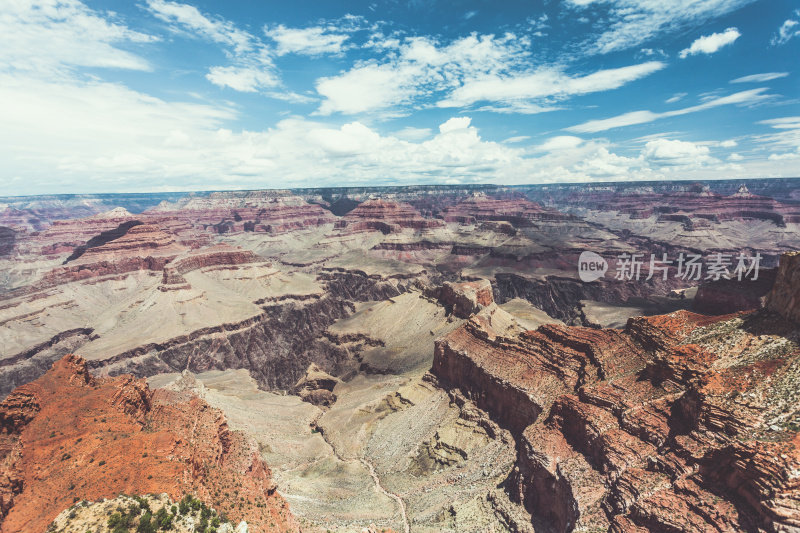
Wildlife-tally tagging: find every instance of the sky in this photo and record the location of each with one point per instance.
(161, 95)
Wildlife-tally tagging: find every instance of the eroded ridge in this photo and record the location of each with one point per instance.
(69, 436)
(678, 422)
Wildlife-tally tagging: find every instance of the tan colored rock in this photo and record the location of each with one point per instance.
(316, 387)
(467, 298)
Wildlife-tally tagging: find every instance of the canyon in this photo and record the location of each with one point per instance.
(403, 358)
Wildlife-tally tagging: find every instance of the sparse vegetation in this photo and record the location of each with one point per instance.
(145, 514)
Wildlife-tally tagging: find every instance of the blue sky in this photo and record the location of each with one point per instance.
(160, 95)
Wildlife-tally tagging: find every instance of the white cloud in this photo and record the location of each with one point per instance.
(709, 44)
(666, 152)
(749, 97)
(48, 36)
(420, 66)
(788, 156)
(630, 23)
(243, 79)
(544, 83)
(455, 124)
(368, 88)
(788, 30)
(464, 72)
(787, 136)
(729, 143)
(308, 41)
(675, 98)
(760, 78)
(735, 157)
(783, 122)
(252, 68)
(188, 17)
(105, 137)
(561, 142)
(516, 139)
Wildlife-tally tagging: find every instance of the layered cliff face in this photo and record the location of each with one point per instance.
(701, 216)
(785, 295)
(733, 295)
(518, 211)
(69, 436)
(676, 423)
(385, 216)
(271, 212)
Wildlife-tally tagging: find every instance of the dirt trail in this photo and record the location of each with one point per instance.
(372, 473)
(392, 495)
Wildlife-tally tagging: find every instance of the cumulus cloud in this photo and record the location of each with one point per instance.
(244, 79)
(470, 70)
(311, 41)
(666, 152)
(419, 66)
(750, 97)
(560, 142)
(708, 44)
(788, 156)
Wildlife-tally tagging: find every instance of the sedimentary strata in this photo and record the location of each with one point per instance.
(679, 422)
(69, 436)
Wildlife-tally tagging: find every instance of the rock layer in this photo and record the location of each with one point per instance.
(677, 423)
(70, 436)
(384, 216)
(785, 295)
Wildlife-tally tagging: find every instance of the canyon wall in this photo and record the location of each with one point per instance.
(678, 422)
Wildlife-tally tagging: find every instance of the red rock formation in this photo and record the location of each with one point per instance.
(695, 205)
(69, 436)
(677, 423)
(220, 255)
(466, 298)
(384, 216)
(258, 211)
(516, 211)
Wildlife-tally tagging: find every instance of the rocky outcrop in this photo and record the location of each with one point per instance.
(384, 216)
(725, 296)
(69, 436)
(561, 296)
(272, 212)
(785, 295)
(466, 298)
(214, 256)
(677, 423)
(514, 210)
(8, 238)
(316, 387)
